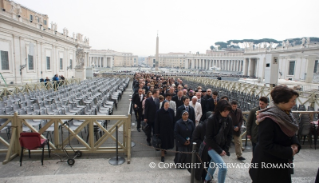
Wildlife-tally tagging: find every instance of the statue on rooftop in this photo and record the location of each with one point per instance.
(18, 9)
(270, 45)
(52, 26)
(13, 7)
(65, 32)
(287, 43)
(303, 40)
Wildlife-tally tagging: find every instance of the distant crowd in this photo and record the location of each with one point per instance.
(56, 78)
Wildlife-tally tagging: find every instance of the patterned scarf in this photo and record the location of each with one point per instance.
(285, 120)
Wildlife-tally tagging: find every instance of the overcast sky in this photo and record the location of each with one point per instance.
(184, 26)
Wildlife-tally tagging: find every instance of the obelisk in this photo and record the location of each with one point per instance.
(156, 55)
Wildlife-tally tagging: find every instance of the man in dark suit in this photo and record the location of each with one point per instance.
(140, 86)
(137, 105)
(151, 106)
(212, 102)
(202, 100)
(178, 99)
(208, 94)
(187, 107)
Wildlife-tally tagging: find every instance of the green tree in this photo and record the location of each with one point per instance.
(221, 44)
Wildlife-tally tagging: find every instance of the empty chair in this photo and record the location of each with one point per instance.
(302, 107)
(304, 126)
(32, 141)
(7, 127)
(9, 111)
(49, 129)
(31, 122)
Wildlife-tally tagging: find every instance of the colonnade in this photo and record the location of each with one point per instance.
(96, 61)
(224, 65)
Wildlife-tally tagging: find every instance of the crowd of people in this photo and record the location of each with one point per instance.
(56, 78)
(169, 110)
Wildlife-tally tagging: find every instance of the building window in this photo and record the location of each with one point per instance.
(61, 63)
(31, 18)
(316, 67)
(71, 64)
(4, 60)
(30, 61)
(291, 68)
(48, 63)
(45, 22)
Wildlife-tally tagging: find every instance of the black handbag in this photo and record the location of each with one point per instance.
(146, 128)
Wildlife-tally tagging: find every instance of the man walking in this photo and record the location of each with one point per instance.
(237, 118)
(151, 106)
(252, 127)
(137, 104)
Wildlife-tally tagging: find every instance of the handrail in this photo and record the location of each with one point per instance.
(16, 122)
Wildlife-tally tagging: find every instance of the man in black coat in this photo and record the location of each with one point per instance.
(151, 106)
(212, 102)
(208, 94)
(137, 105)
(178, 99)
(187, 107)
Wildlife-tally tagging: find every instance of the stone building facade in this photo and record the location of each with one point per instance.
(111, 58)
(31, 49)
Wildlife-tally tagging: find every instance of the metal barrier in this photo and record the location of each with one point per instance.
(310, 98)
(246, 113)
(16, 122)
(35, 86)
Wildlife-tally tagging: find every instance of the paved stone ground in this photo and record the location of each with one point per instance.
(96, 168)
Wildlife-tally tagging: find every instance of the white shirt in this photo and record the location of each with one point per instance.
(172, 105)
(198, 110)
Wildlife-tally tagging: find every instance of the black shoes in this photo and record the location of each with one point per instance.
(241, 158)
(149, 143)
(139, 130)
(162, 159)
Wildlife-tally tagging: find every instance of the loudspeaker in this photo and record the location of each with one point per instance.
(271, 69)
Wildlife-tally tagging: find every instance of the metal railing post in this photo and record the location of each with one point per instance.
(117, 160)
(193, 162)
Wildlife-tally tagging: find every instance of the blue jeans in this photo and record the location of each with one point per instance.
(216, 160)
